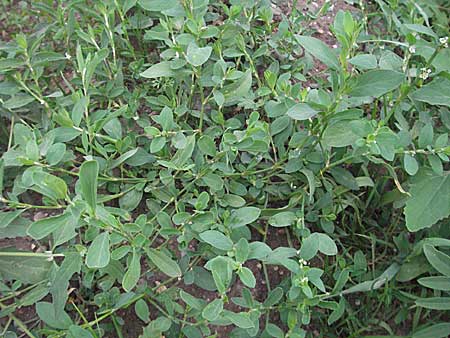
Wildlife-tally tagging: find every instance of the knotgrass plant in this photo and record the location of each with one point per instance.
(204, 168)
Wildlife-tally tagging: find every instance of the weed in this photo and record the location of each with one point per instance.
(203, 168)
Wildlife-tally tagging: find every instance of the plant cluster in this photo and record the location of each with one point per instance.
(209, 168)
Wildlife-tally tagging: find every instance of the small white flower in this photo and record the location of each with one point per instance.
(412, 49)
(301, 261)
(304, 280)
(67, 55)
(444, 41)
(424, 73)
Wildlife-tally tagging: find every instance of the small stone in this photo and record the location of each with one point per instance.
(39, 215)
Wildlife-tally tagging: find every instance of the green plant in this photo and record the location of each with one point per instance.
(185, 162)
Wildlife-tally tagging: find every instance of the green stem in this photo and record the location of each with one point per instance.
(29, 254)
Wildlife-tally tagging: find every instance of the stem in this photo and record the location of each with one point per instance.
(29, 254)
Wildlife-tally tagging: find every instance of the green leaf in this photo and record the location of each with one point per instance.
(236, 91)
(79, 109)
(274, 331)
(436, 92)
(164, 263)
(434, 303)
(376, 283)
(440, 330)
(122, 158)
(241, 319)
(197, 56)
(426, 136)
(2, 174)
(190, 300)
(46, 226)
(166, 118)
(242, 250)
(53, 318)
(67, 231)
(98, 254)
(319, 50)
(301, 111)
(411, 165)
(421, 29)
(183, 155)
(309, 247)
(131, 200)
(28, 270)
(157, 5)
(364, 61)
(157, 144)
(429, 201)
(34, 296)
(221, 271)
(273, 297)
(213, 181)
(244, 216)
(142, 310)
(436, 164)
(247, 277)
(55, 153)
(338, 134)
(162, 69)
(344, 177)
(317, 242)
(60, 282)
(207, 146)
(17, 228)
(7, 217)
(49, 185)
(217, 240)
(435, 282)
(88, 181)
(338, 312)
(282, 219)
(439, 260)
(133, 273)
(79, 332)
(212, 311)
(376, 83)
(327, 245)
(18, 101)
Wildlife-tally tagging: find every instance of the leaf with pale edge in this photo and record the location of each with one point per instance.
(429, 201)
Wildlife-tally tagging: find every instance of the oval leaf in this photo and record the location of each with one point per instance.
(98, 254)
